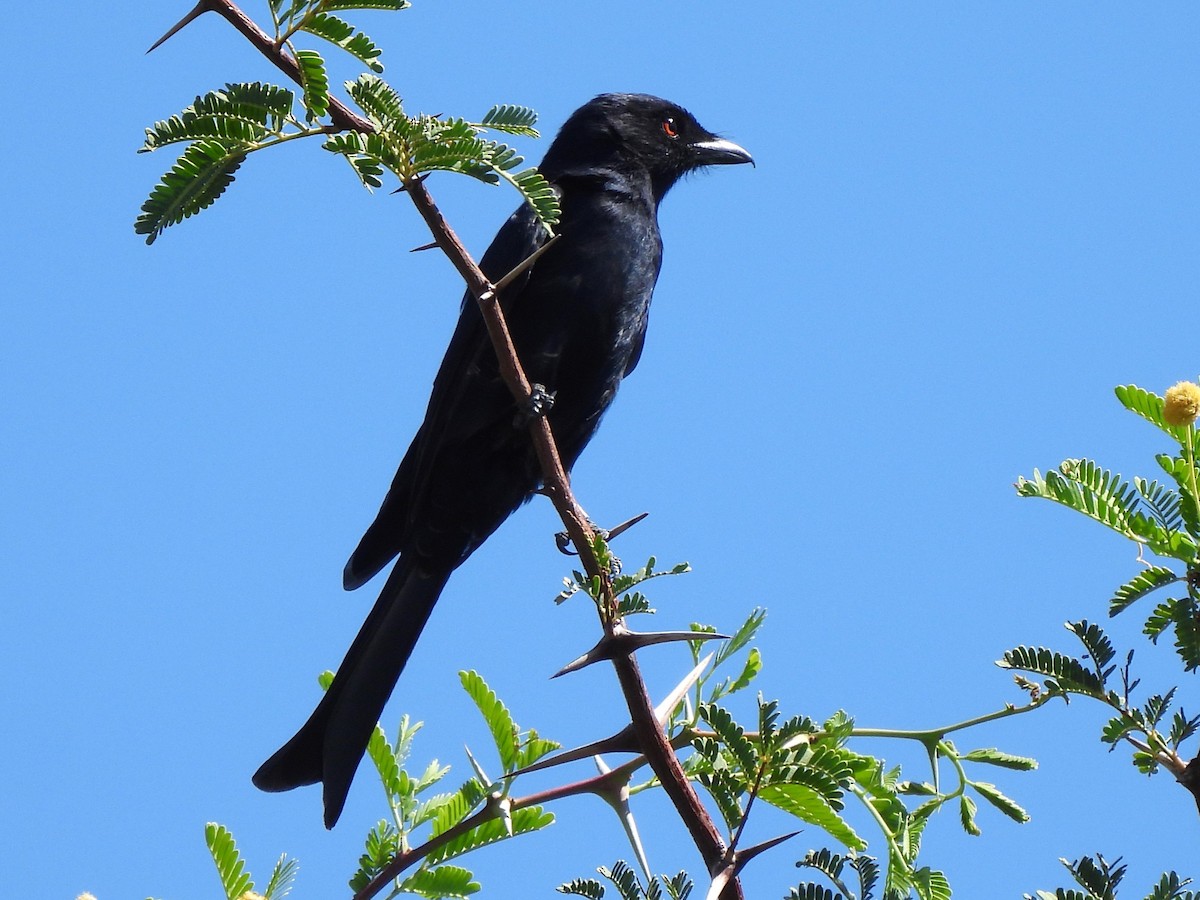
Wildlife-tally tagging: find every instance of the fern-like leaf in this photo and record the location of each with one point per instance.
(993, 757)
(1162, 501)
(511, 120)
(1149, 406)
(381, 846)
(1063, 673)
(993, 795)
(1097, 644)
(343, 5)
(441, 881)
(235, 880)
(733, 736)
(199, 177)
(810, 806)
(531, 818)
(811, 891)
(583, 887)
(315, 80)
(379, 101)
(931, 884)
(282, 878)
(452, 810)
(342, 33)
(1145, 582)
(500, 722)
(238, 115)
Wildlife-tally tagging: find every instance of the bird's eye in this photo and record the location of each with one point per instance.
(669, 129)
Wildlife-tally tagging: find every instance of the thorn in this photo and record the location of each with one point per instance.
(663, 711)
(624, 741)
(418, 180)
(479, 773)
(741, 857)
(623, 642)
(617, 796)
(197, 11)
(525, 263)
(720, 880)
(626, 525)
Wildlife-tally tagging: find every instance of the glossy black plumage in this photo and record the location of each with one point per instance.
(578, 320)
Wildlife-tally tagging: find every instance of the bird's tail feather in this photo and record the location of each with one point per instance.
(330, 745)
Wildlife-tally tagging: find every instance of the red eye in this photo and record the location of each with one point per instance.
(669, 128)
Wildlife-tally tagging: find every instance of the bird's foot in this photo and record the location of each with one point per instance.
(539, 404)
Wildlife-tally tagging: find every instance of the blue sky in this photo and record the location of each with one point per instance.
(967, 224)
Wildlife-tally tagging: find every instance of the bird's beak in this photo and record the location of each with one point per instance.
(720, 152)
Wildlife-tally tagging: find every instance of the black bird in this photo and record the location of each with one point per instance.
(578, 320)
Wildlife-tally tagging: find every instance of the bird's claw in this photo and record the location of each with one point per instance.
(539, 404)
(563, 539)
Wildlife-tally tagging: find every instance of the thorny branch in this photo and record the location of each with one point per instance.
(556, 483)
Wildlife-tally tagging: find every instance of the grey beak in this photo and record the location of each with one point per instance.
(720, 152)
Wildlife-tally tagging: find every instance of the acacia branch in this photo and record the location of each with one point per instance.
(652, 738)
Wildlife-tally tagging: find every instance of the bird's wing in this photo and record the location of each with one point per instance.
(467, 401)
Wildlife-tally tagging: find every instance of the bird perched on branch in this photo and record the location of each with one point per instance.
(578, 320)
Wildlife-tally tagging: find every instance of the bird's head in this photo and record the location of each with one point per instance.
(637, 132)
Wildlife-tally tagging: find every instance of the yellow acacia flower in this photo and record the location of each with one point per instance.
(1182, 404)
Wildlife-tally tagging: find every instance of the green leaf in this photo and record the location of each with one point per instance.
(810, 891)
(451, 810)
(343, 5)
(931, 884)
(1139, 586)
(743, 636)
(993, 757)
(733, 736)
(992, 795)
(395, 781)
(809, 806)
(440, 881)
(1150, 407)
(340, 32)
(1161, 619)
(624, 879)
(380, 848)
(1063, 673)
(235, 880)
(590, 888)
(282, 877)
(379, 101)
(504, 730)
(240, 114)
(1162, 501)
(1171, 887)
(678, 887)
(1182, 728)
(315, 80)
(749, 672)
(531, 818)
(197, 179)
(725, 788)
(511, 120)
(966, 815)
(1096, 642)
(534, 748)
